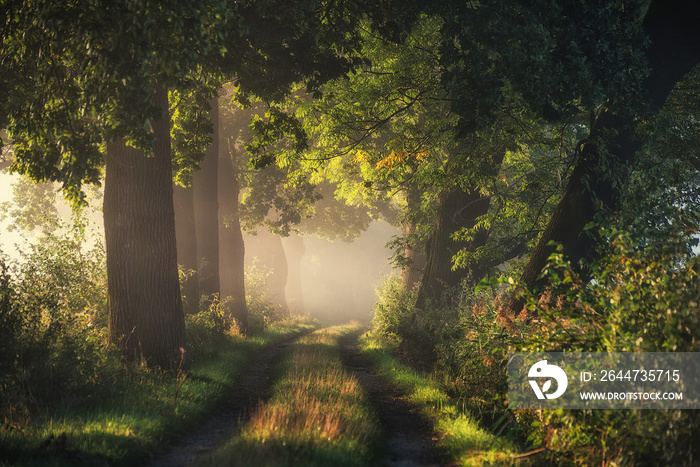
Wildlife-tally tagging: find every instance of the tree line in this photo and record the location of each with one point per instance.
(490, 132)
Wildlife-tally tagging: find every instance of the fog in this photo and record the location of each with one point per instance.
(339, 280)
(332, 281)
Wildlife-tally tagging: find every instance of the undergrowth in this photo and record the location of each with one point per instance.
(67, 396)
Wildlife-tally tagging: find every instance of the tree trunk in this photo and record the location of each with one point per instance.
(675, 50)
(294, 250)
(206, 215)
(232, 266)
(457, 209)
(185, 233)
(145, 310)
(411, 273)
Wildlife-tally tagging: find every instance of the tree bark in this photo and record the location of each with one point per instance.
(675, 50)
(232, 265)
(145, 310)
(185, 233)
(457, 209)
(206, 215)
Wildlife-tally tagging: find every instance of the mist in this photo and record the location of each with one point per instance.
(331, 281)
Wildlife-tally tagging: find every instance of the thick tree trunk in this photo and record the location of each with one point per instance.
(675, 50)
(206, 215)
(294, 249)
(145, 310)
(232, 265)
(457, 209)
(185, 233)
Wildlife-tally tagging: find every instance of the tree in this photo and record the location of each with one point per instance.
(612, 143)
(145, 308)
(76, 77)
(88, 91)
(185, 233)
(390, 129)
(232, 247)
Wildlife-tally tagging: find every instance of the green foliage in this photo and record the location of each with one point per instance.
(393, 310)
(463, 338)
(33, 206)
(53, 324)
(561, 56)
(79, 75)
(524, 192)
(261, 312)
(204, 330)
(644, 298)
(191, 132)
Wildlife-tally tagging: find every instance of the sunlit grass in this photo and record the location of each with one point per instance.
(317, 415)
(140, 416)
(464, 440)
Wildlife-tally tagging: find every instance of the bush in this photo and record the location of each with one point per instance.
(53, 309)
(473, 364)
(460, 338)
(261, 311)
(642, 300)
(205, 329)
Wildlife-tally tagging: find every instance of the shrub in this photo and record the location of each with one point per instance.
(473, 363)
(53, 325)
(643, 299)
(205, 329)
(261, 311)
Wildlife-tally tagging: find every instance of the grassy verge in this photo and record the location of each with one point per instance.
(462, 437)
(141, 414)
(317, 414)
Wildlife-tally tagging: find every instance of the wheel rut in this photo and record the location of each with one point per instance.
(251, 388)
(409, 438)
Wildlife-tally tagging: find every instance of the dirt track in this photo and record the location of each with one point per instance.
(408, 438)
(252, 388)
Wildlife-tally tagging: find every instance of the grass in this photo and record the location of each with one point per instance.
(460, 435)
(317, 415)
(140, 416)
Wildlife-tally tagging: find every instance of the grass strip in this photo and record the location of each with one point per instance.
(317, 415)
(142, 414)
(464, 440)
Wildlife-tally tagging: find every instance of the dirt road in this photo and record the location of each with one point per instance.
(409, 440)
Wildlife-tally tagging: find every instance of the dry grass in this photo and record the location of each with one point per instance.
(318, 414)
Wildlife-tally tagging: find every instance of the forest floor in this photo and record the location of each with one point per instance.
(407, 438)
